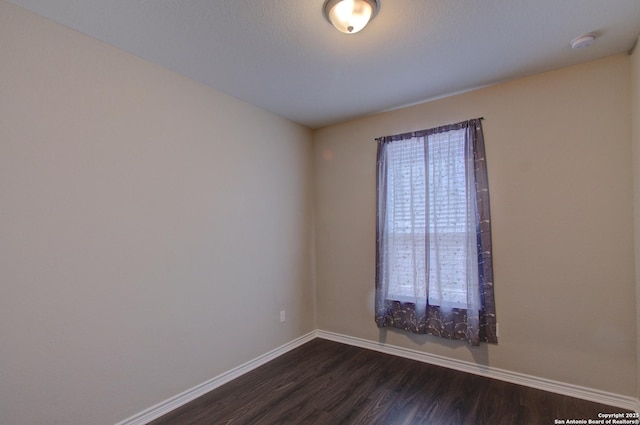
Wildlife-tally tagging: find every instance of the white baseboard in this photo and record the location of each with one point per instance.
(571, 390)
(185, 397)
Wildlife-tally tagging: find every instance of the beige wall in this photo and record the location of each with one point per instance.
(635, 134)
(558, 152)
(151, 229)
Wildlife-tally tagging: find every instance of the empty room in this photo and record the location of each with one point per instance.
(319, 212)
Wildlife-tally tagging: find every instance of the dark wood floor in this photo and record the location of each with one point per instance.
(325, 383)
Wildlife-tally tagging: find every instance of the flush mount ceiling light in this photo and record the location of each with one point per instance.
(350, 16)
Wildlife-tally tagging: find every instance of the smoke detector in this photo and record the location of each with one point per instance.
(583, 41)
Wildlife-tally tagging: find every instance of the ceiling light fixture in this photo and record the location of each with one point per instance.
(350, 16)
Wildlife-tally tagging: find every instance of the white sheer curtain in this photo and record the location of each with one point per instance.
(434, 272)
(430, 222)
(405, 225)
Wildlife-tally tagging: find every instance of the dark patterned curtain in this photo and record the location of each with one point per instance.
(434, 272)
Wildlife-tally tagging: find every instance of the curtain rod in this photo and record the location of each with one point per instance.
(426, 131)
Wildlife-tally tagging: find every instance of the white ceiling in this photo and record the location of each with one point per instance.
(283, 56)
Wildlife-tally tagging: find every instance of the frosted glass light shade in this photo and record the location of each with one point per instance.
(350, 16)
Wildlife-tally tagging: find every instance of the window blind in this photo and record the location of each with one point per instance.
(426, 219)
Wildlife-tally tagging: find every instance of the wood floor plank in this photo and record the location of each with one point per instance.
(327, 383)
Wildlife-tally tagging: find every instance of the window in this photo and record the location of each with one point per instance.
(427, 206)
(433, 253)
